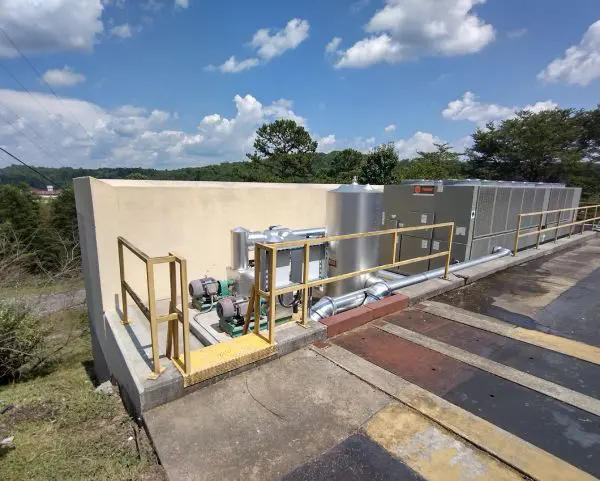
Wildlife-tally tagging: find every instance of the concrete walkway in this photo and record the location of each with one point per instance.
(419, 394)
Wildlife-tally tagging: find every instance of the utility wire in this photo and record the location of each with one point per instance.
(26, 59)
(21, 130)
(27, 90)
(27, 165)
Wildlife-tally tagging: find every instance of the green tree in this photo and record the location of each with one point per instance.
(19, 210)
(379, 165)
(589, 142)
(535, 147)
(443, 163)
(345, 165)
(282, 137)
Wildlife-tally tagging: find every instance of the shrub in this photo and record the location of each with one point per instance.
(24, 349)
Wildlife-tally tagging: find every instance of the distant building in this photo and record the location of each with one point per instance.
(46, 194)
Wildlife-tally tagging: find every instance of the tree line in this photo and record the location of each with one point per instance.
(560, 145)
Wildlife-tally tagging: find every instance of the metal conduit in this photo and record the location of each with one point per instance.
(328, 306)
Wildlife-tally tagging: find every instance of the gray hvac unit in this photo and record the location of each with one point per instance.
(484, 212)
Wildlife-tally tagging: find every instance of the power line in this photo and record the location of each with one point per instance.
(26, 59)
(27, 90)
(21, 130)
(27, 165)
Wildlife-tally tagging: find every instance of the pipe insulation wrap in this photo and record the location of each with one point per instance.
(329, 306)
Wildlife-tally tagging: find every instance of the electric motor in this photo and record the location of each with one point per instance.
(232, 309)
(204, 288)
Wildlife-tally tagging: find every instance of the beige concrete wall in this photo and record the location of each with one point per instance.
(193, 219)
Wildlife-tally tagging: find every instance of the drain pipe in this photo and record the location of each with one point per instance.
(328, 306)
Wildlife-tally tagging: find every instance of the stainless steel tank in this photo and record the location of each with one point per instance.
(350, 209)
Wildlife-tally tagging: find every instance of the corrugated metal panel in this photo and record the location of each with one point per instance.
(553, 204)
(501, 206)
(515, 207)
(481, 247)
(568, 202)
(527, 206)
(484, 211)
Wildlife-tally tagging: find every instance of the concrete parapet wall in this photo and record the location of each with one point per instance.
(193, 219)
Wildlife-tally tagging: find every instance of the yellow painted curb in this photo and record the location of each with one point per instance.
(576, 349)
(432, 451)
(510, 449)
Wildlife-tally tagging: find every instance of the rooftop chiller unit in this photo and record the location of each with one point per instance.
(484, 212)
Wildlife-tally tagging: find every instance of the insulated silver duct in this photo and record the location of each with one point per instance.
(328, 306)
(382, 275)
(242, 239)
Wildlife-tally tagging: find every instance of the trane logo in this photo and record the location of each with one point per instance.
(424, 189)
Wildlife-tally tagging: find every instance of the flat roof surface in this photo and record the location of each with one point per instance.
(496, 380)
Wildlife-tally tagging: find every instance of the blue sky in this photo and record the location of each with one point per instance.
(153, 83)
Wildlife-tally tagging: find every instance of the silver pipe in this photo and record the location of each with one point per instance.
(326, 307)
(313, 232)
(242, 239)
(382, 275)
(239, 248)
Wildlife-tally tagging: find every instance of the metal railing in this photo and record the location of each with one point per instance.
(575, 213)
(175, 315)
(272, 291)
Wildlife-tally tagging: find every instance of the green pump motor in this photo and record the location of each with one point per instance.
(208, 290)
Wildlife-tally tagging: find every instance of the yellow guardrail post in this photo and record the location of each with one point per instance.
(272, 287)
(173, 318)
(394, 246)
(257, 297)
(153, 324)
(185, 317)
(450, 240)
(518, 234)
(306, 284)
(304, 320)
(571, 222)
(125, 319)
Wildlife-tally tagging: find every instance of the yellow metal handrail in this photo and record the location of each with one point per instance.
(175, 315)
(272, 292)
(575, 213)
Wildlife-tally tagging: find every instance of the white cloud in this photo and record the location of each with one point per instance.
(390, 128)
(540, 106)
(153, 6)
(182, 3)
(129, 135)
(469, 108)
(49, 26)
(231, 65)
(333, 46)
(358, 5)
(516, 33)
(362, 144)
(327, 143)
(268, 45)
(581, 63)
(116, 3)
(65, 77)
(123, 31)
(408, 29)
(419, 142)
